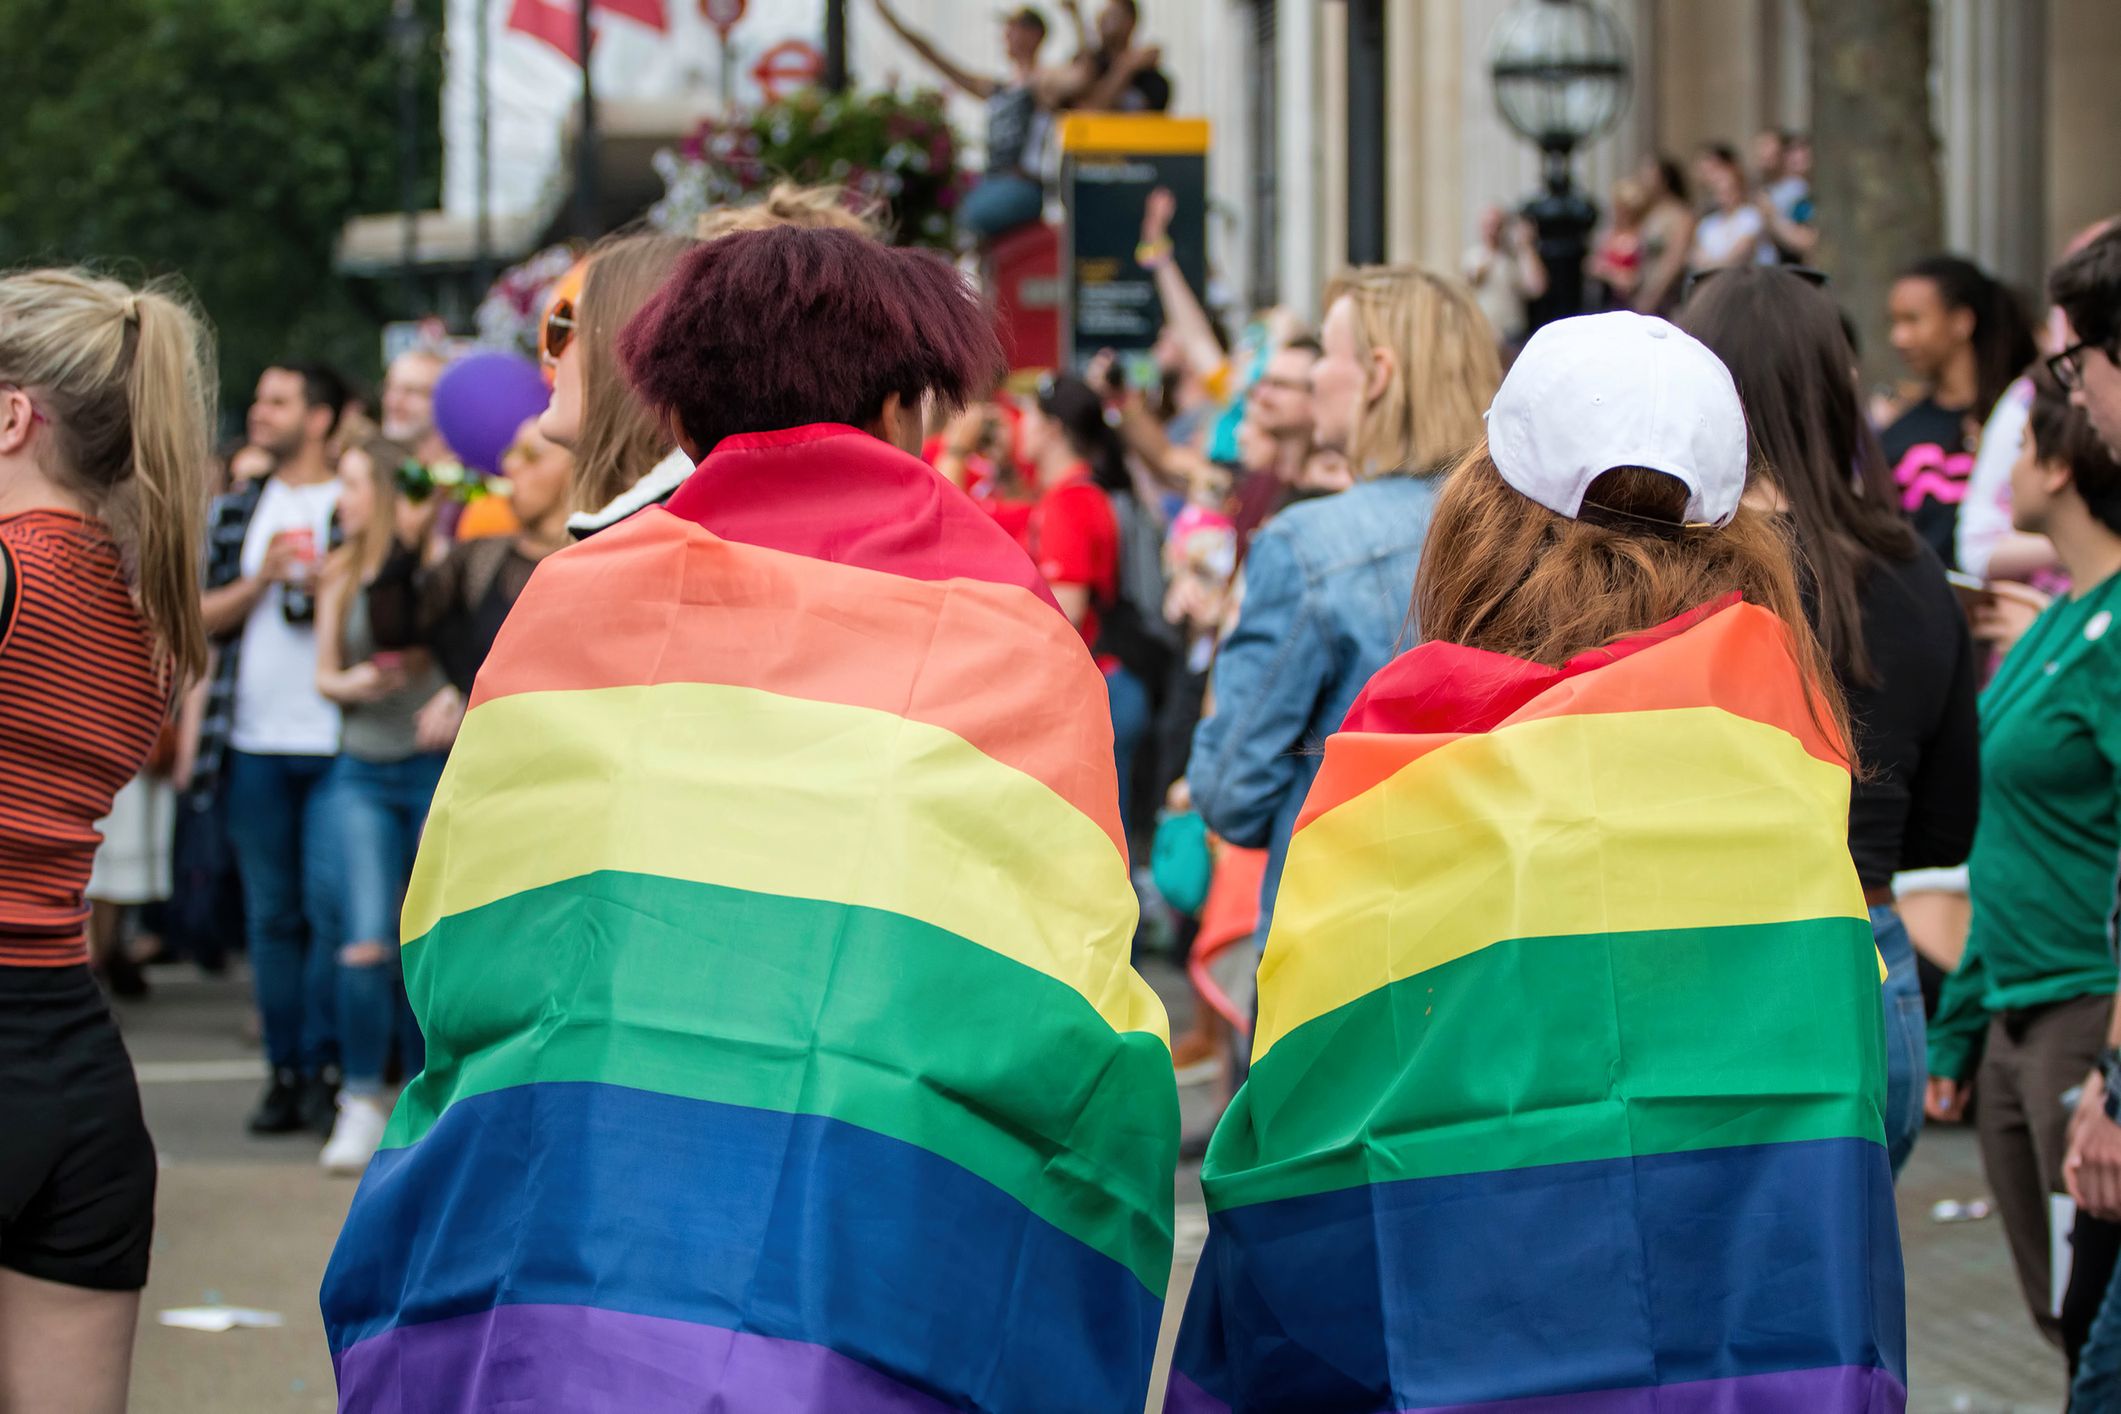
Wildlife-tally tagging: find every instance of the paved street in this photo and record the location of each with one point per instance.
(250, 1223)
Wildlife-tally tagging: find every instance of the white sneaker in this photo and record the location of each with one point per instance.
(355, 1136)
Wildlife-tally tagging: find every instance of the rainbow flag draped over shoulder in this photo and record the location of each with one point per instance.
(1567, 1085)
(770, 935)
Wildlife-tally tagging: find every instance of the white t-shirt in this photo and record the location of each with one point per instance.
(1721, 232)
(1493, 277)
(279, 711)
(1788, 194)
(1985, 514)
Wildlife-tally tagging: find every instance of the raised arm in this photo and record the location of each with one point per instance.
(1182, 309)
(1085, 40)
(1103, 94)
(1176, 467)
(1795, 237)
(974, 84)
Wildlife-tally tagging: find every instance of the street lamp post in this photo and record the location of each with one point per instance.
(1561, 72)
(408, 39)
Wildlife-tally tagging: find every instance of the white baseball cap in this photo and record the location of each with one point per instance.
(1601, 391)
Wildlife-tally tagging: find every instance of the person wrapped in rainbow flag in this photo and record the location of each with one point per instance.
(1567, 1085)
(770, 932)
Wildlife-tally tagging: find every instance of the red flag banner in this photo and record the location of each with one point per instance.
(557, 22)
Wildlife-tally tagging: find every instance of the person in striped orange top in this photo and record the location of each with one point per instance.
(104, 410)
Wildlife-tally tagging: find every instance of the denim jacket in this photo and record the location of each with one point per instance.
(1328, 600)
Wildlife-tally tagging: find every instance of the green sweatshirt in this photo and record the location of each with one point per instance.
(2048, 847)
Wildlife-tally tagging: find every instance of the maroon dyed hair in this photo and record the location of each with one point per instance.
(777, 328)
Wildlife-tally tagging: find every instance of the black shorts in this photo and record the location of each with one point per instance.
(77, 1170)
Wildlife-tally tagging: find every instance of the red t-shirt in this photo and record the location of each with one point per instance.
(1075, 540)
(1009, 513)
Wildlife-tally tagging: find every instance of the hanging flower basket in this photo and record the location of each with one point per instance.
(880, 146)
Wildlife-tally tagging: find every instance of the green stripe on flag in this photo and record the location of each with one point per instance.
(816, 1008)
(1562, 1049)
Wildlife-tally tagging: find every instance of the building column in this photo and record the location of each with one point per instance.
(1989, 81)
(1305, 158)
(1372, 142)
(1331, 88)
(1712, 76)
(1429, 86)
(2083, 114)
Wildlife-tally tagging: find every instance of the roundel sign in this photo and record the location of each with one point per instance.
(723, 14)
(787, 67)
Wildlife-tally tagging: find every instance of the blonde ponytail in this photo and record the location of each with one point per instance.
(127, 379)
(170, 392)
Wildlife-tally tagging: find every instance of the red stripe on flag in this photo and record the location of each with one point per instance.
(557, 22)
(553, 21)
(648, 12)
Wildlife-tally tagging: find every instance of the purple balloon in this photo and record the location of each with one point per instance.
(480, 401)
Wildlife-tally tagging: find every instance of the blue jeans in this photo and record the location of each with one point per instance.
(1906, 1036)
(2097, 1387)
(281, 828)
(1001, 202)
(1131, 719)
(381, 807)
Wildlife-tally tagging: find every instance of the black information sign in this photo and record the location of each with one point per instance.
(1111, 166)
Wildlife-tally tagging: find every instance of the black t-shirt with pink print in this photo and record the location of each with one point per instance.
(1931, 451)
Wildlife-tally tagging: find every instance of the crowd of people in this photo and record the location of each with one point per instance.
(1318, 585)
(1109, 73)
(1658, 236)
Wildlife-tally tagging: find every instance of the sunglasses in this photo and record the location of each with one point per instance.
(558, 332)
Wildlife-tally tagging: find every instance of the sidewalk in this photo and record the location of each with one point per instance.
(250, 1222)
(1971, 1347)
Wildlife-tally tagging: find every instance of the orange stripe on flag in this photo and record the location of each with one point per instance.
(677, 604)
(1730, 661)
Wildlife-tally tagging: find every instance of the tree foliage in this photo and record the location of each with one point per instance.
(222, 141)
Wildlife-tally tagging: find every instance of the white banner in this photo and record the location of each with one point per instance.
(643, 49)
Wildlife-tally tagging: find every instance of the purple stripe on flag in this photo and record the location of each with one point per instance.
(582, 1357)
(1182, 1396)
(1849, 1389)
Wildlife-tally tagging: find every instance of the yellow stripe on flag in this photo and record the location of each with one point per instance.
(747, 789)
(1608, 823)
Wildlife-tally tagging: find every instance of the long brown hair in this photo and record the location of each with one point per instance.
(1782, 340)
(2003, 336)
(126, 378)
(621, 439)
(359, 558)
(1447, 367)
(1502, 573)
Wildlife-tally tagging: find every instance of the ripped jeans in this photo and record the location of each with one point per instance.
(381, 807)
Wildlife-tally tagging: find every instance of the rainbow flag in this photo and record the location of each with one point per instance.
(770, 935)
(1567, 1084)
